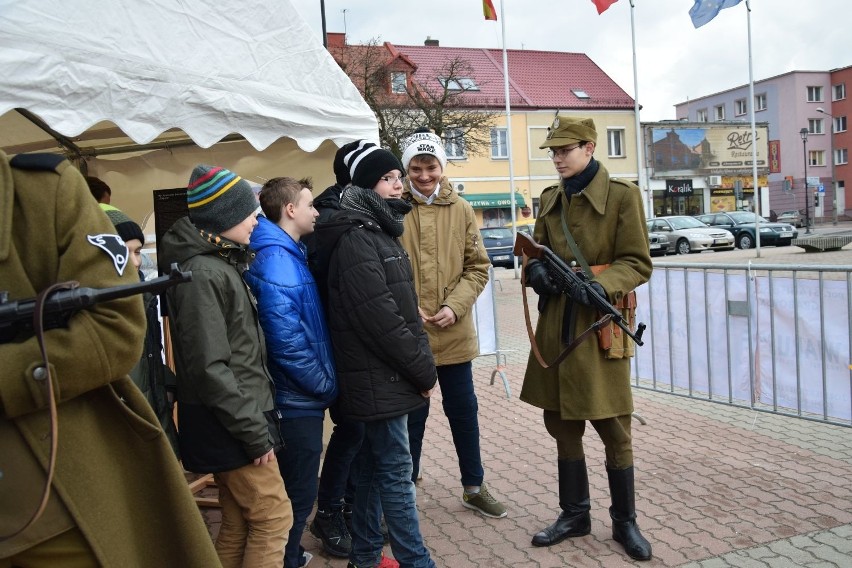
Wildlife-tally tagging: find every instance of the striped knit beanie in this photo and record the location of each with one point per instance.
(368, 163)
(218, 199)
(126, 227)
(342, 159)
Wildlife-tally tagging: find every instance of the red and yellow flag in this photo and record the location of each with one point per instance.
(602, 5)
(488, 10)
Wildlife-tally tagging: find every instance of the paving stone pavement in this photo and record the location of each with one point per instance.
(716, 485)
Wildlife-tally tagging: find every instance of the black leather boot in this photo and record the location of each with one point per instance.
(625, 531)
(574, 520)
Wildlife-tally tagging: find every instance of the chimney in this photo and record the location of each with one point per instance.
(336, 39)
(431, 42)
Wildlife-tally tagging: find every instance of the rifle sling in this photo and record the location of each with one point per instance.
(38, 326)
(571, 346)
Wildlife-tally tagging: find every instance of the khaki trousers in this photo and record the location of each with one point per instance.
(256, 517)
(614, 433)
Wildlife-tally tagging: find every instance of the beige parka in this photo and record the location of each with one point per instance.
(450, 268)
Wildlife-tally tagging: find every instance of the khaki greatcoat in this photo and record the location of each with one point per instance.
(116, 477)
(608, 225)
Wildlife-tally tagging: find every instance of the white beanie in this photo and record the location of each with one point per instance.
(423, 143)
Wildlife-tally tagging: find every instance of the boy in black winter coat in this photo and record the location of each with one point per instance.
(384, 364)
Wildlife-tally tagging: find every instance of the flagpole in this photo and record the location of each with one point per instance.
(641, 178)
(753, 136)
(509, 133)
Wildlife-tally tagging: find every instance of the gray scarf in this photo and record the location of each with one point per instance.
(388, 213)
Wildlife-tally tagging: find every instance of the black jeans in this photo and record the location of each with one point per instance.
(461, 409)
(342, 447)
(299, 465)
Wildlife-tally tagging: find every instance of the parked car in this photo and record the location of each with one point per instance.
(499, 242)
(660, 244)
(524, 225)
(792, 217)
(742, 225)
(691, 235)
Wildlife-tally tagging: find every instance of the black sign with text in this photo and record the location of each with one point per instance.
(678, 187)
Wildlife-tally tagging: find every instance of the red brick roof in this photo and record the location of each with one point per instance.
(537, 79)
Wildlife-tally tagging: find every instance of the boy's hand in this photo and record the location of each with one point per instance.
(444, 318)
(265, 458)
(428, 393)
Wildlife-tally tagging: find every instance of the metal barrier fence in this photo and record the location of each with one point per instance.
(770, 337)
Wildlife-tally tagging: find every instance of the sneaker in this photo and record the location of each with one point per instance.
(330, 528)
(306, 559)
(484, 503)
(385, 563)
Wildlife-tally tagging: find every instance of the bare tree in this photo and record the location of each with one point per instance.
(446, 103)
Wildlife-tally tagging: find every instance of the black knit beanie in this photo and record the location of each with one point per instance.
(126, 227)
(368, 163)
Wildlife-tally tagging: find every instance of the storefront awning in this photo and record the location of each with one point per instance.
(487, 200)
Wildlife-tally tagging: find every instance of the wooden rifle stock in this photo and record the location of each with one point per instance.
(568, 278)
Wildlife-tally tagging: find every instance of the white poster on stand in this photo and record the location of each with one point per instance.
(483, 318)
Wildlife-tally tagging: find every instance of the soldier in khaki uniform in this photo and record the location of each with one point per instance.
(605, 218)
(118, 496)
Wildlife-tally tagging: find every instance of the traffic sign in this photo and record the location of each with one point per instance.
(821, 188)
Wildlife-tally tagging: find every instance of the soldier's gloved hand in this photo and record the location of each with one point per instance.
(539, 279)
(580, 296)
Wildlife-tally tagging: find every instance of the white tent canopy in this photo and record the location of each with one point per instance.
(210, 68)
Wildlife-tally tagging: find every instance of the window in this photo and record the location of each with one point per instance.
(840, 124)
(499, 144)
(580, 93)
(841, 156)
(815, 126)
(459, 84)
(398, 82)
(760, 102)
(814, 94)
(454, 143)
(816, 157)
(701, 115)
(838, 92)
(740, 107)
(615, 142)
(719, 112)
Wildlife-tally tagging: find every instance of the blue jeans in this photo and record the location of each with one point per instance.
(299, 465)
(461, 409)
(339, 454)
(384, 483)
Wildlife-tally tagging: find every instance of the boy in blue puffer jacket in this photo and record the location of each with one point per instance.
(300, 352)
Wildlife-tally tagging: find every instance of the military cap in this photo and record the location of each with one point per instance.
(566, 130)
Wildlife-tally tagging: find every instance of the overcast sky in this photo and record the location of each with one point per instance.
(676, 62)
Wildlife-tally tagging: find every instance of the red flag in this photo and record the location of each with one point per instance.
(488, 10)
(602, 5)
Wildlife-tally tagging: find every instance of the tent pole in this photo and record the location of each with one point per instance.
(63, 140)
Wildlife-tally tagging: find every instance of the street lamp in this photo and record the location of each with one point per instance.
(804, 134)
(831, 143)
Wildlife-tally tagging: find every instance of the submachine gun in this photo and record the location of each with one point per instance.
(567, 279)
(17, 317)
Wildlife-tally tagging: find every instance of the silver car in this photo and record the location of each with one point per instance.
(691, 235)
(660, 244)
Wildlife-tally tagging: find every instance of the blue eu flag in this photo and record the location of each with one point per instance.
(705, 10)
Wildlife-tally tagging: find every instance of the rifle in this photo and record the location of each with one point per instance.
(16, 317)
(568, 279)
